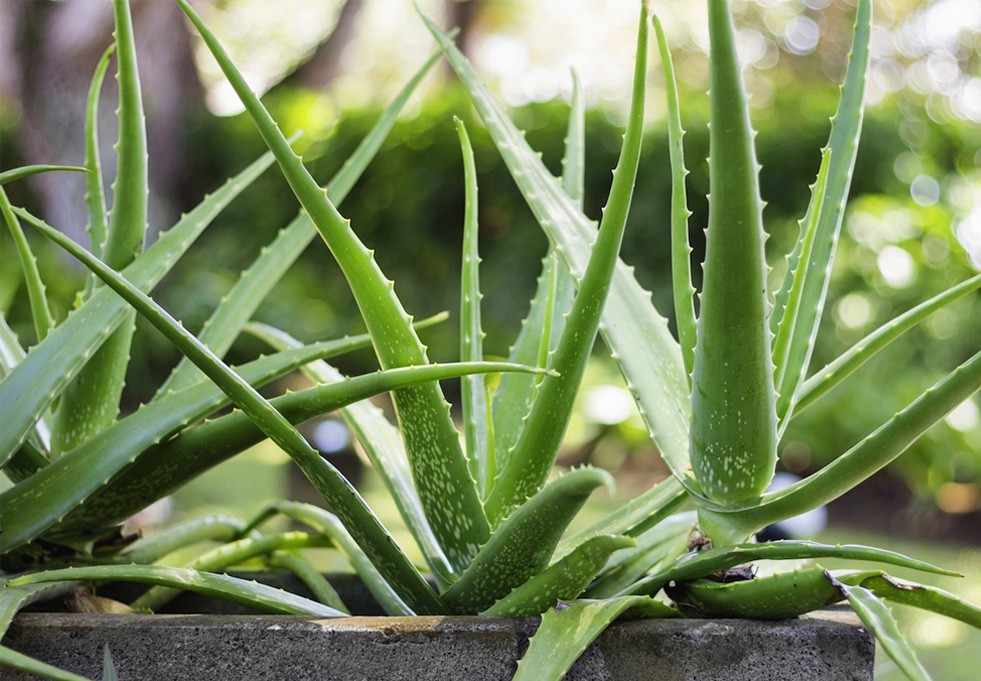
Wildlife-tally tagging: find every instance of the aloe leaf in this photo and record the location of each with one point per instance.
(792, 306)
(524, 542)
(31, 387)
(638, 336)
(682, 289)
(704, 563)
(556, 288)
(26, 171)
(12, 354)
(40, 312)
(338, 493)
(920, 596)
(14, 660)
(473, 389)
(857, 464)
(255, 595)
(95, 198)
(733, 427)
(62, 487)
(849, 361)
(383, 446)
(91, 401)
(565, 633)
(563, 580)
(764, 598)
(208, 528)
(165, 467)
(328, 524)
(228, 555)
(108, 667)
(846, 127)
(448, 492)
(310, 576)
(13, 599)
(530, 461)
(877, 618)
(238, 305)
(656, 549)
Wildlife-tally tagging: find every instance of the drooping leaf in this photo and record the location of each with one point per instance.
(259, 596)
(563, 580)
(566, 632)
(239, 304)
(307, 573)
(734, 425)
(221, 528)
(14, 660)
(15, 174)
(637, 335)
(226, 556)
(849, 361)
(39, 437)
(40, 312)
(448, 492)
(682, 289)
(31, 387)
(704, 563)
(920, 596)
(875, 615)
(383, 446)
(531, 459)
(13, 599)
(328, 524)
(860, 462)
(91, 401)
(846, 127)
(524, 542)
(473, 389)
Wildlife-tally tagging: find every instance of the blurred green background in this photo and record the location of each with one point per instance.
(913, 226)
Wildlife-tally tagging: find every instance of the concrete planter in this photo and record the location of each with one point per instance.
(218, 647)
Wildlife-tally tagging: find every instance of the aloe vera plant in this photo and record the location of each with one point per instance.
(488, 516)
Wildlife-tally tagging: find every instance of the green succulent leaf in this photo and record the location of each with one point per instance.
(860, 462)
(108, 667)
(920, 596)
(328, 525)
(383, 446)
(531, 459)
(846, 127)
(240, 303)
(432, 442)
(849, 361)
(563, 580)
(33, 384)
(162, 469)
(524, 542)
(733, 427)
(875, 615)
(633, 517)
(13, 599)
(682, 289)
(307, 573)
(150, 549)
(638, 336)
(338, 493)
(566, 632)
(704, 563)
(62, 487)
(95, 197)
(14, 660)
(228, 555)
(39, 437)
(91, 401)
(15, 174)
(477, 425)
(40, 312)
(259, 596)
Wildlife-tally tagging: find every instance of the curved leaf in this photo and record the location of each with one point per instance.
(40, 312)
(14, 660)
(208, 528)
(920, 596)
(95, 198)
(26, 171)
(310, 576)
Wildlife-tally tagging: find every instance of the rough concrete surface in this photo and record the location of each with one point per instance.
(828, 647)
